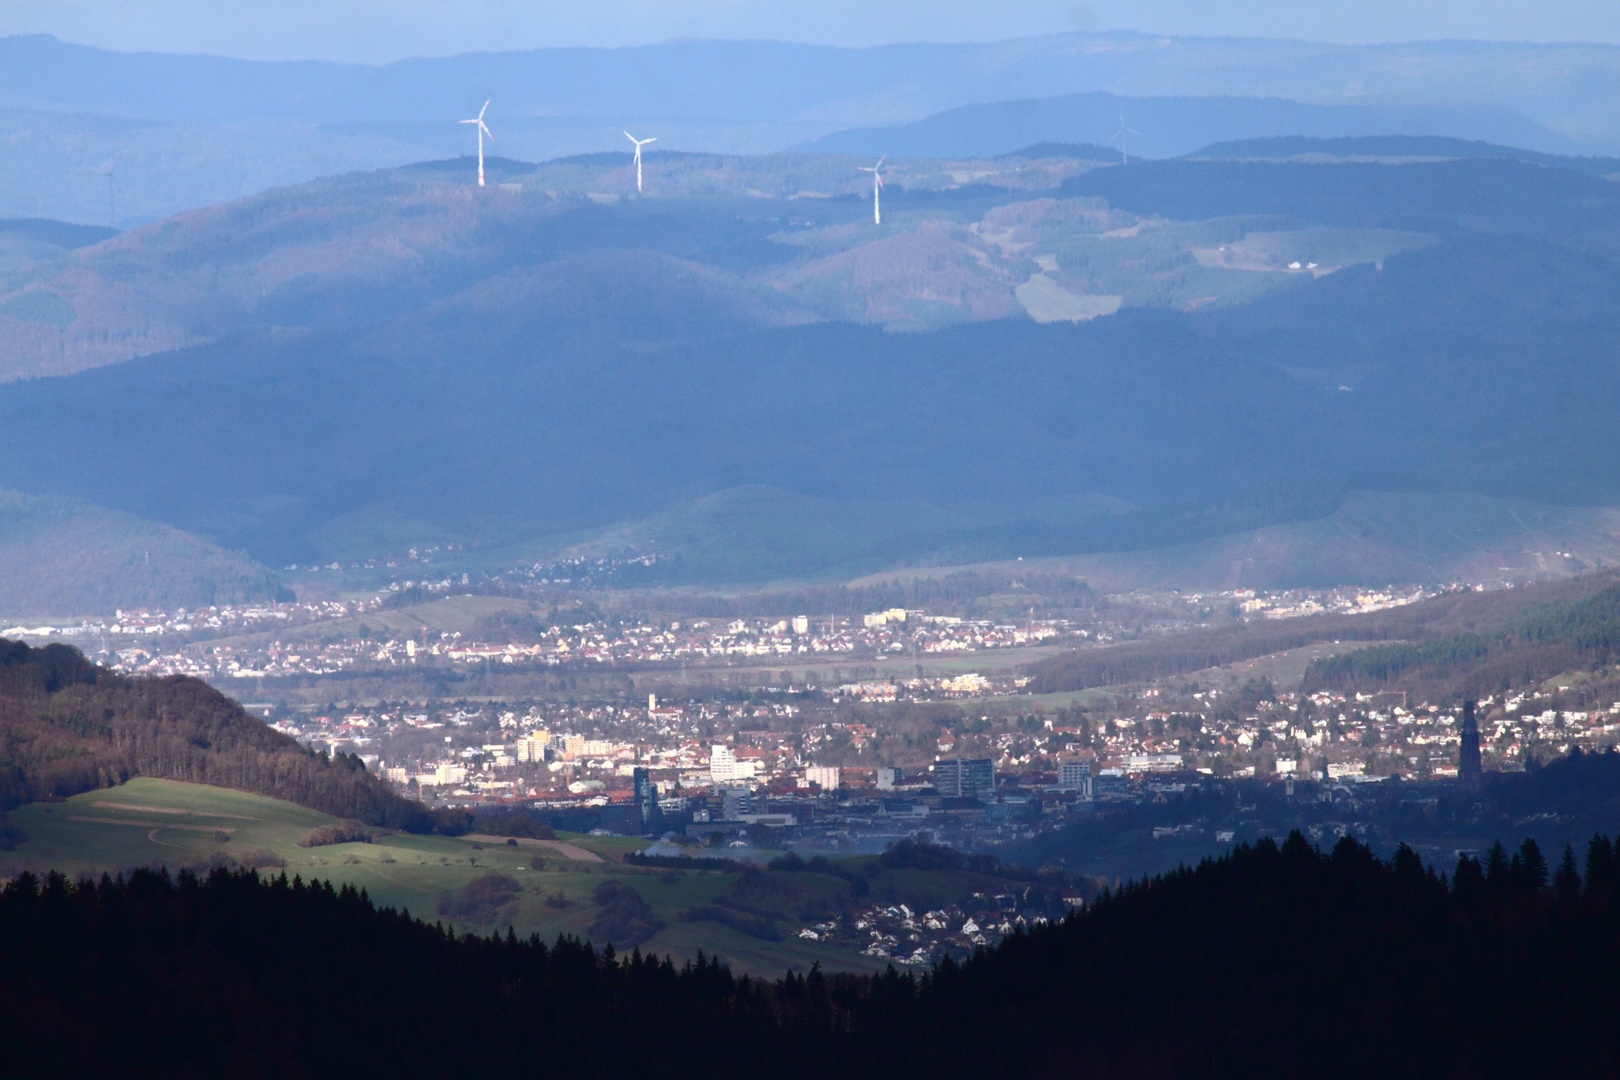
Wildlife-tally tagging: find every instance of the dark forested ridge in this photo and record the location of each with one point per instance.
(67, 725)
(1543, 641)
(1275, 960)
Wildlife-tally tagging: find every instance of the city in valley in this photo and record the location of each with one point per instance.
(827, 732)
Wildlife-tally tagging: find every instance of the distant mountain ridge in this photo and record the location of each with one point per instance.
(186, 131)
(29, 240)
(1174, 126)
(766, 81)
(1391, 148)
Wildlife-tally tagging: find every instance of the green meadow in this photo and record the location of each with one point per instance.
(148, 822)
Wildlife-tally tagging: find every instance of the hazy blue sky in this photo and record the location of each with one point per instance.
(377, 30)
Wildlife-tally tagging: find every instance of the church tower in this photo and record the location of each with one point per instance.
(1469, 776)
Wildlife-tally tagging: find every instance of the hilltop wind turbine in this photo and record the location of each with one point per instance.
(1119, 137)
(877, 188)
(112, 192)
(639, 144)
(482, 131)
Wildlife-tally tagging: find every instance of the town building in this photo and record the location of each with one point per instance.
(826, 777)
(971, 779)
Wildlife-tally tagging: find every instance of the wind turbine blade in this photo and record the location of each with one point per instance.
(631, 137)
(482, 111)
(646, 141)
(486, 131)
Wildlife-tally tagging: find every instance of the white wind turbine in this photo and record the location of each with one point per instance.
(1119, 137)
(639, 144)
(112, 193)
(877, 188)
(482, 131)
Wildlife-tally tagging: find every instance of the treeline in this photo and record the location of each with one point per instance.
(1532, 646)
(1141, 661)
(70, 726)
(1458, 615)
(683, 862)
(233, 976)
(1274, 960)
(909, 854)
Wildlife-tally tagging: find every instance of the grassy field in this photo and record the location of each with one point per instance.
(146, 822)
(1047, 301)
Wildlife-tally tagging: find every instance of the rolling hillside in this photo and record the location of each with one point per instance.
(1095, 358)
(1443, 639)
(66, 556)
(72, 727)
(1371, 539)
(747, 915)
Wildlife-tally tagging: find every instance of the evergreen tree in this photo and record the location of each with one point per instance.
(1533, 871)
(1498, 871)
(1567, 882)
(1408, 866)
(1468, 882)
(1600, 866)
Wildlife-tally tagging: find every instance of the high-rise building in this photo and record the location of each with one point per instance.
(971, 779)
(1075, 776)
(652, 817)
(826, 777)
(889, 778)
(532, 747)
(1470, 777)
(722, 764)
(735, 802)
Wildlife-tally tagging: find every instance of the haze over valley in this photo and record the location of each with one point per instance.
(817, 545)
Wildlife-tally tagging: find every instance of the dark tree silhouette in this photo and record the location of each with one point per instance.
(1386, 969)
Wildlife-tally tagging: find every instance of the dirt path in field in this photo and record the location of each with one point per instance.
(152, 824)
(561, 847)
(170, 810)
(145, 809)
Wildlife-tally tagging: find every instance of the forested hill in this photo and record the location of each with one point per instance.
(1276, 960)
(67, 725)
(1546, 640)
(1458, 642)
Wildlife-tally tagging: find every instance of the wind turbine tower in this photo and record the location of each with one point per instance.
(1119, 136)
(112, 194)
(877, 188)
(639, 144)
(482, 131)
